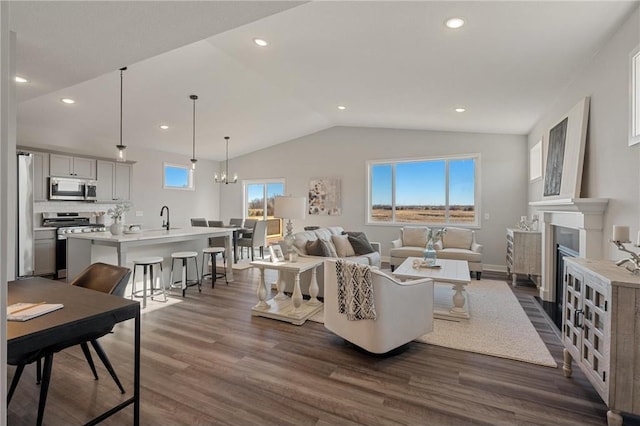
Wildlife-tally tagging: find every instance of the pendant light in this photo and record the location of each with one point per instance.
(225, 175)
(122, 154)
(193, 157)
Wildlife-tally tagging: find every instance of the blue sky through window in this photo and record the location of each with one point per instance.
(177, 177)
(424, 183)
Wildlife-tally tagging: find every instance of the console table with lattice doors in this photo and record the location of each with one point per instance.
(601, 331)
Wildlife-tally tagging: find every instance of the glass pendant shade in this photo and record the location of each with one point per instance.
(122, 153)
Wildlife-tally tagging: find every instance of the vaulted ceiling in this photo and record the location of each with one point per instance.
(391, 64)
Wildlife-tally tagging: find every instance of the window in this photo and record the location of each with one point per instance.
(440, 191)
(259, 200)
(178, 177)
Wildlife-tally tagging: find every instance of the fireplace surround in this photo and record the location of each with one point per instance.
(586, 215)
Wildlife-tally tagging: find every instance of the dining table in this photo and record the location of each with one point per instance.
(84, 311)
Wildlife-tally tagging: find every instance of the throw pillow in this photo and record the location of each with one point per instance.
(415, 236)
(360, 244)
(343, 246)
(457, 238)
(328, 250)
(313, 248)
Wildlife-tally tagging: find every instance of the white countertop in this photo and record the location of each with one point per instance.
(151, 234)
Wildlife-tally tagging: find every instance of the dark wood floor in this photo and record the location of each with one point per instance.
(207, 361)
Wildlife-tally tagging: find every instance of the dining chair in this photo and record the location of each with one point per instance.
(258, 238)
(102, 277)
(239, 222)
(198, 221)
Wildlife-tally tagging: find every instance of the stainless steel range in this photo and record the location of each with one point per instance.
(68, 223)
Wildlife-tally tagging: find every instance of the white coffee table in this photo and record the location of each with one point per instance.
(454, 272)
(292, 309)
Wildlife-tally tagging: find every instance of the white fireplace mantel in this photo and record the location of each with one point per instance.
(584, 214)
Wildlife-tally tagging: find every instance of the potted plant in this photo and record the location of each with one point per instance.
(116, 214)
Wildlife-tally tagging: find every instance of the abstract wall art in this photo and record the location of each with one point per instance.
(325, 197)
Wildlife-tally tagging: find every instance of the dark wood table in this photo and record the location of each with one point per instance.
(84, 311)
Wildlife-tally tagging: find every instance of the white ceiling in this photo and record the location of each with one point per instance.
(393, 64)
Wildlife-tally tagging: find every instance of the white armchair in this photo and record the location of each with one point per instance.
(404, 311)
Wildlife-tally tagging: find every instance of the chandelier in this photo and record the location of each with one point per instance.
(224, 178)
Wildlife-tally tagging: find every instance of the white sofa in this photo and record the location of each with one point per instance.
(404, 311)
(300, 240)
(456, 243)
(460, 244)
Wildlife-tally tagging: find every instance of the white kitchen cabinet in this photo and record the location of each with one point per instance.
(44, 252)
(66, 165)
(599, 331)
(524, 252)
(114, 181)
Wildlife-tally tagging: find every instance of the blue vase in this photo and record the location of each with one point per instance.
(430, 254)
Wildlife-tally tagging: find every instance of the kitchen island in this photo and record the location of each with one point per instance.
(83, 249)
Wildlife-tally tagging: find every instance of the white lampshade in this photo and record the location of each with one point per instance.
(290, 207)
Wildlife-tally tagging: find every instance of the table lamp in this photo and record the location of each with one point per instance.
(290, 208)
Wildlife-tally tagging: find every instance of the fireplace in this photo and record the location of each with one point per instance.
(575, 223)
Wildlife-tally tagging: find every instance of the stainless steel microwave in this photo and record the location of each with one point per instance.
(62, 188)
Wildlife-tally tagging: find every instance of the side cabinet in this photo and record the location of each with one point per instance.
(599, 333)
(44, 255)
(524, 253)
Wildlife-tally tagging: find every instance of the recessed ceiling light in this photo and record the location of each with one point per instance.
(454, 23)
(460, 109)
(164, 126)
(260, 42)
(342, 107)
(67, 101)
(21, 79)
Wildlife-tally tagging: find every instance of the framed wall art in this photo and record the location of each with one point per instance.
(565, 147)
(325, 197)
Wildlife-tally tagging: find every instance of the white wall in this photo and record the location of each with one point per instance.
(149, 196)
(342, 152)
(611, 167)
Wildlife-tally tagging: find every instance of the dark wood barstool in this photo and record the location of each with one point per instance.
(213, 255)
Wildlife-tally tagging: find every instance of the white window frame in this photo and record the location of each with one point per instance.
(393, 162)
(264, 182)
(191, 185)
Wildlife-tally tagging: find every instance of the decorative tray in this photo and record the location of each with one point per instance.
(424, 264)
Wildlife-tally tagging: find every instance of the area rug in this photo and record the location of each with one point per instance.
(498, 325)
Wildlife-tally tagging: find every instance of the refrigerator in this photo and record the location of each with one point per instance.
(25, 232)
